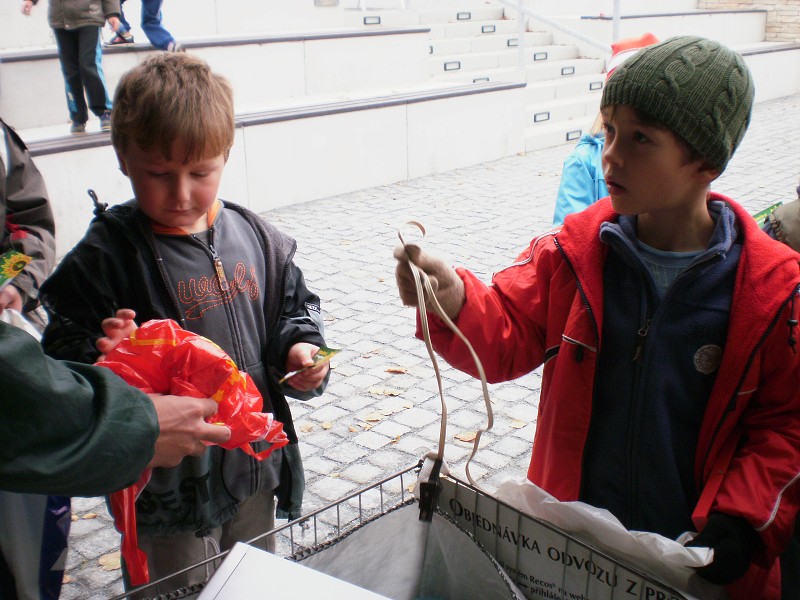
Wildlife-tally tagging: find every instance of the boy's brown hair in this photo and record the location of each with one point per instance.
(173, 96)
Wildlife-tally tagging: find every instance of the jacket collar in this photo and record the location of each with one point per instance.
(767, 270)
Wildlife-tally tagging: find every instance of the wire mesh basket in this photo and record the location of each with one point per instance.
(535, 559)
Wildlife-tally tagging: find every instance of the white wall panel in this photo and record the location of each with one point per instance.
(456, 132)
(303, 159)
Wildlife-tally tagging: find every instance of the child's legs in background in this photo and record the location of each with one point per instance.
(91, 67)
(125, 25)
(151, 24)
(33, 545)
(168, 554)
(69, 57)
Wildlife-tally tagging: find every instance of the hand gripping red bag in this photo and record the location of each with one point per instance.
(160, 357)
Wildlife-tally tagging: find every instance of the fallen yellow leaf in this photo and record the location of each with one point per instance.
(353, 429)
(384, 391)
(517, 424)
(327, 425)
(467, 436)
(67, 579)
(399, 370)
(373, 417)
(109, 562)
(89, 516)
(306, 428)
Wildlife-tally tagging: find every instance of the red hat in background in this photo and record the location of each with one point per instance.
(622, 50)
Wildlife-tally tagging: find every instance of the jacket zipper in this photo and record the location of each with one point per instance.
(219, 269)
(638, 358)
(224, 286)
(641, 334)
(597, 346)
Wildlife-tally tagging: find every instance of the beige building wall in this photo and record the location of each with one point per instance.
(783, 16)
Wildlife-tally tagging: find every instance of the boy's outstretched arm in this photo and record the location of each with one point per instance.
(446, 284)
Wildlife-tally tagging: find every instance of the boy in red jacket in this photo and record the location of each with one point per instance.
(666, 321)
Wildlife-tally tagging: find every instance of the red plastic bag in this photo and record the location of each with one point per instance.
(160, 357)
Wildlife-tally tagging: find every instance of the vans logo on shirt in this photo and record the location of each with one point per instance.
(198, 295)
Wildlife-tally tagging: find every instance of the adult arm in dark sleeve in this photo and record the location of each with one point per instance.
(29, 223)
(67, 428)
(300, 321)
(77, 430)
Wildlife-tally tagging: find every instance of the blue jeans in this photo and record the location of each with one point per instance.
(80, 54)
(151, 24)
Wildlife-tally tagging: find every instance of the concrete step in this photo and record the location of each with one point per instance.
(544, 73)
(488, 43)
(474, 61)
(261, 68)
(556, 133)
(460, 15)
(731, 27)
(567, 87)
(473, 28)
(775, 68)
(565, 109)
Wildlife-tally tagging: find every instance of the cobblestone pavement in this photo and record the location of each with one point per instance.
(480, 217)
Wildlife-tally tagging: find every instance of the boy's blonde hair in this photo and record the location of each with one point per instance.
(169, 97)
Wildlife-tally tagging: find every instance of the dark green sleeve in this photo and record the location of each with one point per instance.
(67, 428)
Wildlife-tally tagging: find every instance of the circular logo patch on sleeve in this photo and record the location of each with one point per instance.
(707, 359)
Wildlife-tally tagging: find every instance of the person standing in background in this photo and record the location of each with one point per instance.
(151, 25)
(28, 225)
(33, 527)
(76, 25)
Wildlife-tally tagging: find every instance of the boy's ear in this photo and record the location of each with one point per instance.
(121, 161)
(707, 172)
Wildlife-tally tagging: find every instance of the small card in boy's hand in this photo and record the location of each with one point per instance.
(11, 264)
(322, 356)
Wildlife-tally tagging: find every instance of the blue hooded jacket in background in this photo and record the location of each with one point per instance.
(582, 179)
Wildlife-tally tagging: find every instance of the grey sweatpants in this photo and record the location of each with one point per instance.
(168, 554)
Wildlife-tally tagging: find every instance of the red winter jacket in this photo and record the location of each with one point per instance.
(548, 306)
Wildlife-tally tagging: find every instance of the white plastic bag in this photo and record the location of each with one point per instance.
(667, 559)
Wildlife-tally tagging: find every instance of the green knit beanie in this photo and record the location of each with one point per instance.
(698, 88)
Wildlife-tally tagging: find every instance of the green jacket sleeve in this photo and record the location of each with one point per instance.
(67, 428)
